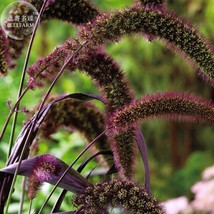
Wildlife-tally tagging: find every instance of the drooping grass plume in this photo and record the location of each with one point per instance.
(110, 80)
(73, 114)
(115, 102)
(172, 30)
(108, 76)
(154, 22)
(96, 63)
(75, 11)
(46, 68)
(117, 193)
(47, 168)
(177, 106)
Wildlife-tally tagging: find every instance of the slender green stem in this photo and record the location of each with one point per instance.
(30, 207)
(10, 115)
(71, 165)
(23, 76)
(23, 195)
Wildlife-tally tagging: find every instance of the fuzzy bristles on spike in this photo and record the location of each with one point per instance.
(158, 2)
(153, 3)
(117, 193)
(96, 63)
(108, 76)
(177, 106)
(110, 79)
(44, 167)
(159, 23)
(45, 69)
(123, 145)
(5, 61)
(75, 11)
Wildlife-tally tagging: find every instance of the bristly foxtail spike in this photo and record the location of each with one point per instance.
(108, 76)
(130, 197)
(5, 60)
(123, 145)
(165, 25)
(75, 11)
(176, 106)
(110, 79)
(45, 68)
(3, 63)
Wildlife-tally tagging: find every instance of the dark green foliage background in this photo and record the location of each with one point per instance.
(150, 67)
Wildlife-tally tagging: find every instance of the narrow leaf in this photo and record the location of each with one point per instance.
(84, 164)
(144, 154)
(59, 201)
(39, 168)
(86, 97)
(24, 132)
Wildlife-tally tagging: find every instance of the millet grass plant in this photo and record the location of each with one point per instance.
(113, 135)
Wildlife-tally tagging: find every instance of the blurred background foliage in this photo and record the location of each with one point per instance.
(178, 152)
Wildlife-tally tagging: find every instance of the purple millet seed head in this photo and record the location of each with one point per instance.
(117, 193)
(176, 106)
(171, 29)
(75, 11)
